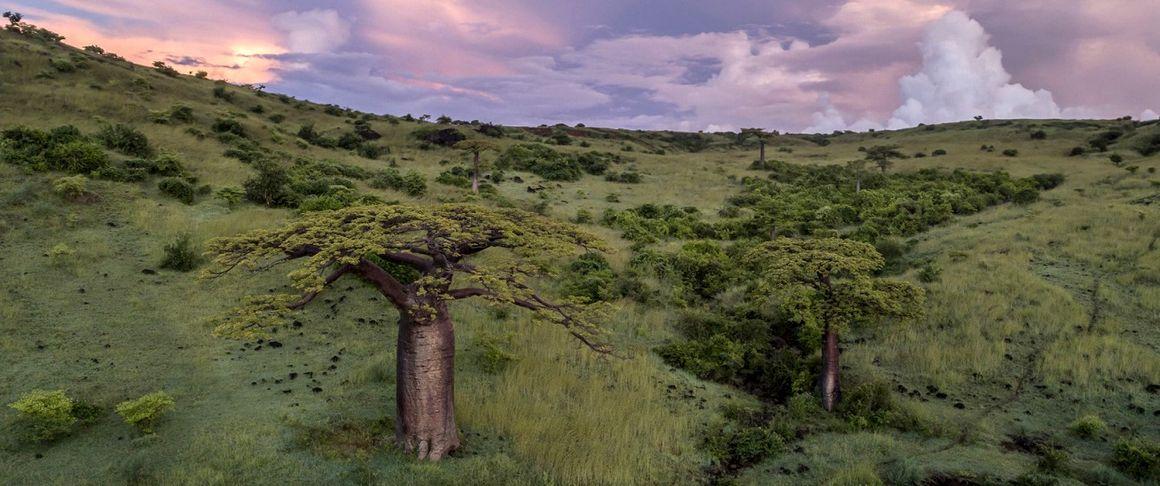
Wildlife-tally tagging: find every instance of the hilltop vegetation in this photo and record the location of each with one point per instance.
(992, 287)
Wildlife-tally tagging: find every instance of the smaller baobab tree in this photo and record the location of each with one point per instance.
(475, 147)
(412, 256)
(881, 155)
(827, 285)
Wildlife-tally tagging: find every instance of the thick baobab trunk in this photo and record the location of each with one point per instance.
(831, 389)
(425, 388)
(475, 174)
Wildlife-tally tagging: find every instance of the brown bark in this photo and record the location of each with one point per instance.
(762, 156)
(425, 385)
(831, 389)
(475, 174)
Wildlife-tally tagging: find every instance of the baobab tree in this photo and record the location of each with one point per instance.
(475, 147)
(435, 244)
(827, 284)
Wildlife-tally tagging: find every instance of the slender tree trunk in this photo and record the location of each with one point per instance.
(858, 184)
(831, 389)
(762, 156)
(475, 174)
(425, 388)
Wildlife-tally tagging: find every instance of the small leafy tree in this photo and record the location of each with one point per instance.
(475, 147)
(881, 155)
(412, 254)
(828, 284)
(231, 196)
(49, 413)
(144, 412)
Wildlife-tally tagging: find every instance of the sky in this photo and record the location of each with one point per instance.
(788, 65)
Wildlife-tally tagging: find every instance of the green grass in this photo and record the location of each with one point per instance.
(1042, 314)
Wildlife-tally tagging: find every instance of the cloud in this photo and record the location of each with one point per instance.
(1148, 115)
(962, 76)
(312, 31)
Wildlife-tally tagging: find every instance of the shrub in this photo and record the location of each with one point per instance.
(413, 183)
(125, 139)
(490, 130)
(1116, 159)
(445, 137)
(929, 273)
(72, 188)
(48, 413)
(1048, 181)
(1011, 153)
(268, 186)
(591, 278)
(228, 125)
(181, 113)
(1147, 145)
(78, 157)
(145, 411)
(938, 153)
(220, 92)
(1138, 458)
(231, 196)
(1039, 135)
(277, 118)
(61, 255)
(62, 65)
(583, 216)
(177, 188)
(165, 69)
(494, 355)
(540, 160)
(741, 443)
(1087, 427)
(181, 255)
(1076, 152)
(716, 358)
(623, 177)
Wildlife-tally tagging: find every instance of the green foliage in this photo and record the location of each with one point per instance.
(72, 188)
(1087, 426)
(1039, 135)
(269, 186)
(78, 157)
(165, 69)
(144, 412)
(412, 183)
(1147, 145)
(177, 188)
(591, 278)
(180, 255)
(231, 196)
(445, 137)
(181, 113)
(222, 93)
(807, 200)
(125, 139)
(1010, 153)
(493, 353)
(1138, 458)
(47, 413)
(716, 358)
(541, 160)
(455, 176)
(743, 441)
(228, 125)
(628, 177)
(62, 65)
(649, 223)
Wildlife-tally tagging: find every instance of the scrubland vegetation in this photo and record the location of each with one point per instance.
(995, 304)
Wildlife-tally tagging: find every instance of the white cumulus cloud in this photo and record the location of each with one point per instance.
(312, 31)
(962, 76)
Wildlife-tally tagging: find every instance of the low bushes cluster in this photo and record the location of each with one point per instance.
(180, 255)
(434, 135)
(412, 183)
(51, 414)
(125, 139)
(553, 165)
(63, 149)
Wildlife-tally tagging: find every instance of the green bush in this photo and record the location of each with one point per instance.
(583, 216)
(231, 196)
(181, 113)
(1138, 458)
(1116, 159)
(228, 125)
(269, 186)
(165, 69)
(145, 411)
(493, 353)
(412, 183)
(717, 358)
(541, 160)
(591, 278)
(47, 413)
(78, 157)
(1087, 426)
(1039, 135)
(1011, 153)
(220, 92)
(181, 255)
(73, 187)
(938, 153)
(745, 440)
(125, 139)
(62, 65)
(177, 188)
(629, 177)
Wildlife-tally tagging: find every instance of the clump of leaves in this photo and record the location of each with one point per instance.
(125, 139)
(1138, 458)
(177, 188)
(1087, 426)
(73, 188)
(494, 353)
(61, 255)
(145, 411)
(181, 255)
(47, 413)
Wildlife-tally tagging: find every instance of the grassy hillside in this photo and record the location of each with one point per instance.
(1037, 314)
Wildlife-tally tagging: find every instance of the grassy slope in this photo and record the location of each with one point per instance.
(1016, 281)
